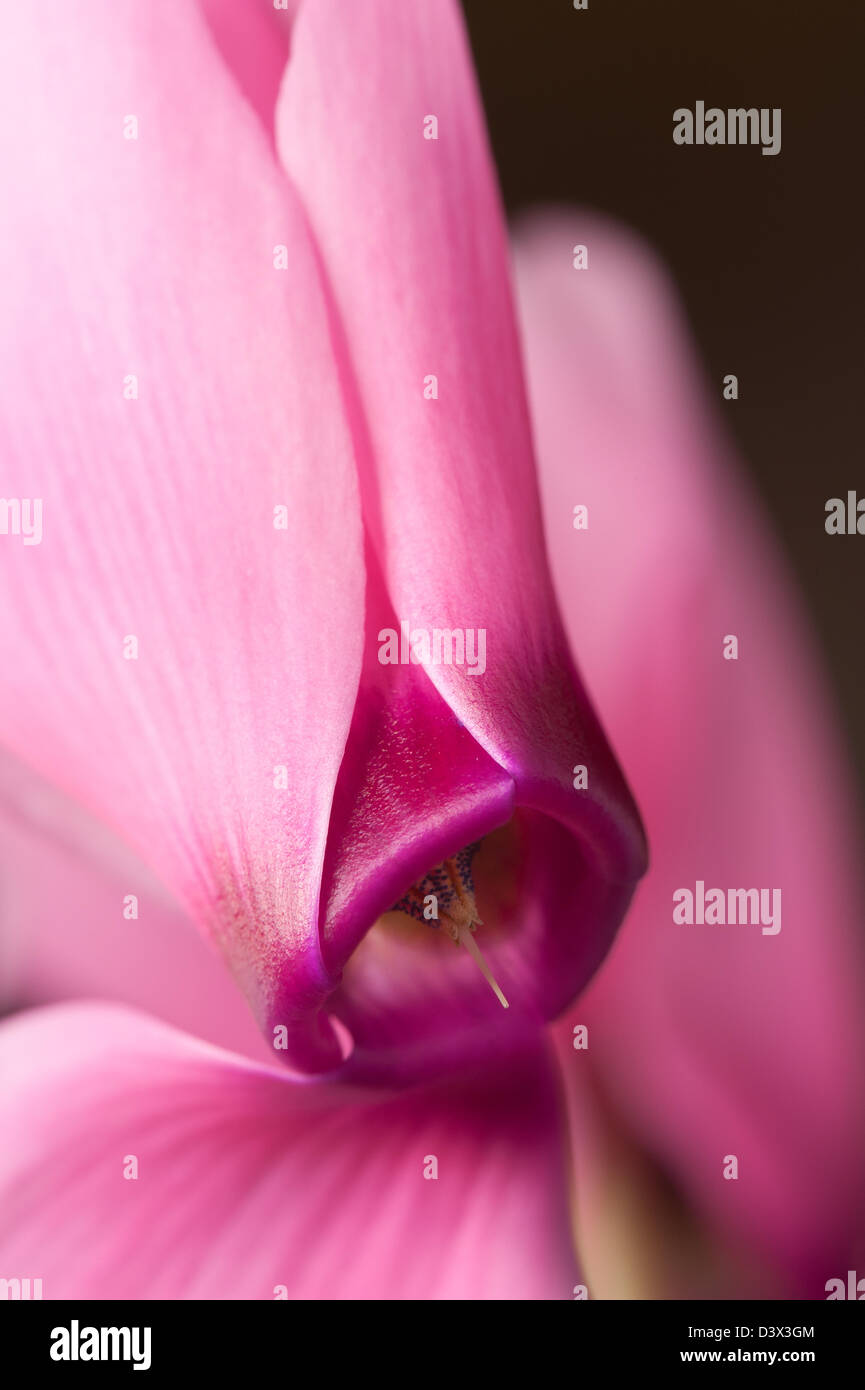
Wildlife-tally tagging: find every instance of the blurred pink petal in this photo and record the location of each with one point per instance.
(334, 1203)
(253, 42)
(68, 929)
(215, 752)
(709, 1040)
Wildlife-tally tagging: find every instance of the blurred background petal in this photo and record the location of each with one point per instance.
(707, 1041)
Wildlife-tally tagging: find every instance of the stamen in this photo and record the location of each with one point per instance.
(463, 936)
(452, 886)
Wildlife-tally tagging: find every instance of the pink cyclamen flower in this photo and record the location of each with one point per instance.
(319, 323)
(257, 485)
(255, 456)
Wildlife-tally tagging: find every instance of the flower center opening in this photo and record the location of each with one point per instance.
(445, 897)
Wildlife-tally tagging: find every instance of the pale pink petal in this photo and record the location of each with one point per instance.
(253, 42)
(215, 752)
(412, 241)
(709, 1040)
(82, 917)
(249, 1184)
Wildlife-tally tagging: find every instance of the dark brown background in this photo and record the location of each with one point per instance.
(767, 252)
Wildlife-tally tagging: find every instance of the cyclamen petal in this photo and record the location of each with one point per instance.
(171, 657)
(82, 917)
(449, 486)
(157, 1134)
